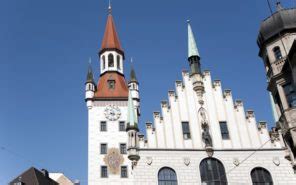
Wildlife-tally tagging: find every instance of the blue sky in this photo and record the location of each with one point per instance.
(44, 51)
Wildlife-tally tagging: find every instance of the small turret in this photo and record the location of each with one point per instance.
(90, 86)
(133, 86)
(132, 131)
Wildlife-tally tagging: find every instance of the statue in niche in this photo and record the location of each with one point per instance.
(203, 117)
(205, 127)
(207, 137)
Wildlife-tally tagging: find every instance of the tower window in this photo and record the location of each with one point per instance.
(103, 148)
(104, 171)
(224, 130)
(277, 53)
(121, 126)
(118, 62)
(123, 148)
(103, 126)
(290, 94)
(186, 130)
(123, 172)
(111, 84)
(110, 60)
(104, 64)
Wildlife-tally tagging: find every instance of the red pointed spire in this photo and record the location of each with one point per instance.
(111, 39)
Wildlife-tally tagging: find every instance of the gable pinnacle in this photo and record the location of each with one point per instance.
(192, 47)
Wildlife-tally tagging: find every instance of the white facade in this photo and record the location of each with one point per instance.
(250, 143)
(233, 136)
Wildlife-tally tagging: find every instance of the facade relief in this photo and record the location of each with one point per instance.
(113, 160)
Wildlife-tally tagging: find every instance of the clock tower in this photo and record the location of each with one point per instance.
(107, 103)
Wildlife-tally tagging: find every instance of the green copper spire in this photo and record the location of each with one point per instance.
(192, 48)
(90, 76)
(132, 120)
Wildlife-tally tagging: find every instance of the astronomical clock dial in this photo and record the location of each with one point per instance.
(112, 112)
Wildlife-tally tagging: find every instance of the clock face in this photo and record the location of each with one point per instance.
(112, 112)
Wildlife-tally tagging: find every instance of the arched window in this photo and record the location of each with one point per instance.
(118, 62)
(104, 64)
(212, 172)
(277, 53)
(110, 60)
(167, 176)
(261, 176)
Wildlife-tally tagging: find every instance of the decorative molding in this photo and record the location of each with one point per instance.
(106, 103)
(149, 160)
(276, 161)
(216, 150)
(186, 161)
(236, 161)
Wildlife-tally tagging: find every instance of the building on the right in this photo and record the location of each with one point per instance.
(277, 43)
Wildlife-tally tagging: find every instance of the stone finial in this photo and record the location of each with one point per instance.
(164, 104)
(179, 83)
(250, 114)
(141, 137)
(262, 125)
(171, 93)
(148, 125)
(185, 72)
(227, 93)
(217, 83)
(156, 114)
(238, 103)
(207, 73)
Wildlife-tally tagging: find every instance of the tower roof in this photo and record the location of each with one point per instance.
(133, 77)
(283, 20)
(192, 47)
(118, 91)
(111, 39)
